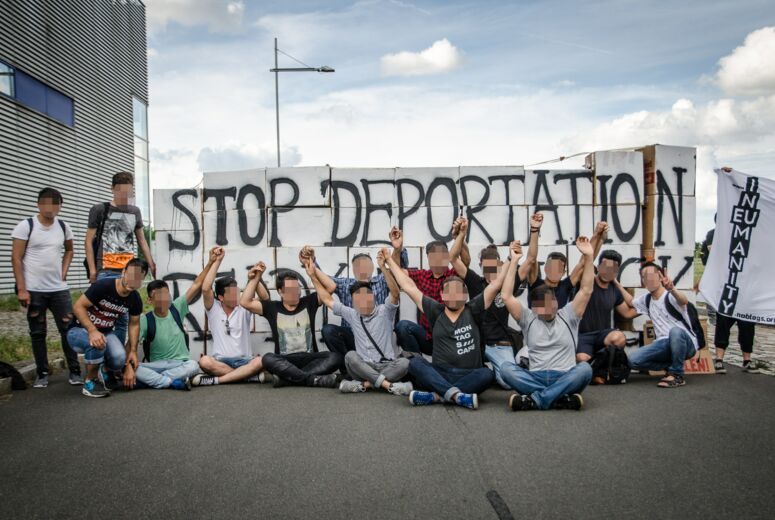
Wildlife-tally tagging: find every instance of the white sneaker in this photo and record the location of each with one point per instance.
(351, 387)
(401, 388)
(265, 377)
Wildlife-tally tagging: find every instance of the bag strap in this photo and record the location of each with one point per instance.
(100, 228)
(675, 313)
(382, 356)
(150, 333)
(569, 330)
(179, 321)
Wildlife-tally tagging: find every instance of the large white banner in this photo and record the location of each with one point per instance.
(738, 279)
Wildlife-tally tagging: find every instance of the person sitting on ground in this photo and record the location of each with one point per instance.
(554, 379)
(97, 310)
(296, 359)
(666, 306)
(457, 374)
(232, 358)
(374, 363)
(166, 361)
(340, 338)
(496, 333)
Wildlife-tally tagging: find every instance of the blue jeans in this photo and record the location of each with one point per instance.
(160, 374)
(113, 355)
(122, 322)
(234, 362)
(497, 355)
(545, 386)
(411, 337)
(447, 381)
(665, 353)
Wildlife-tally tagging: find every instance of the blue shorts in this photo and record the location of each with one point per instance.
(234, 362)
(591, 342)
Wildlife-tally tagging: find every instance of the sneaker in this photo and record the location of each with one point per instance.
(279, 382)
(204, 380)
(265, 378)
(91, 388)
(751, 367)
(351, 387)
(252, 379)
(518, 403)
(401, 388)
(181, 384)
(75, 379)
(467, 400)
(326, 381)
(41, 382)
(569, 402)
(107, 379)
(418, 398)
(718, 366)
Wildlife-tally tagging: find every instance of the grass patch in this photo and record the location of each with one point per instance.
(19, 348)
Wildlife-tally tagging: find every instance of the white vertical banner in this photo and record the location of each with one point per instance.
(738, 279)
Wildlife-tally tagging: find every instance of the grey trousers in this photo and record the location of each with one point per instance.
(375, 373)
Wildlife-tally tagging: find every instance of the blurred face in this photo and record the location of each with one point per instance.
(554, 270)
(650, 278)
(363, 269)
(230, 297)
(290, 292)
(133, 277)
(160, 299)
(490, 269)
(122, 192)
(438, 260)
(454, 295)
(608, 270)
(363, 301)
(546, 309)
(49, 208)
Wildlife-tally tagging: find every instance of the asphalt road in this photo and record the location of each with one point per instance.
(702, 451)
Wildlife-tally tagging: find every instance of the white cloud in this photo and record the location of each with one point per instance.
(241, 156)
(216, 15)
(750, 68)
(442, 56)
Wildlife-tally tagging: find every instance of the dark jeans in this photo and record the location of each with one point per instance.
(447, 381)
(745, 333)
(338, 339)
(411, 337)
(300, 368)
(62, 308)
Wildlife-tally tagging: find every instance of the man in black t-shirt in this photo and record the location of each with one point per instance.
(457, 373)
(296, 359)
(96, 311)
(596, 330)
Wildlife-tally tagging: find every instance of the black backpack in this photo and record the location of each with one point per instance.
(32, 226)
(95, 244)
(17, 381)
(612, 365)
(694, 326)
(150, 331)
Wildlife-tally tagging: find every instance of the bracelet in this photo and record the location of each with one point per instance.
(535, 230)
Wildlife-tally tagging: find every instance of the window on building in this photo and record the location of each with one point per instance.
(6, 79)
(36, 95)
(142, 184)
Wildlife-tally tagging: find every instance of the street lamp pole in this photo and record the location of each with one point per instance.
(277, 71)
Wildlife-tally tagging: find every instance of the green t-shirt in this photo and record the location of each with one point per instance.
(169, 342)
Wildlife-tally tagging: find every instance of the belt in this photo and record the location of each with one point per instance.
(503, 343)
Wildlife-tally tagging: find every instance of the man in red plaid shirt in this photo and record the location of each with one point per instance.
(416, 337)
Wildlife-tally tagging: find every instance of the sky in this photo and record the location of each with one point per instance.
(448, 83)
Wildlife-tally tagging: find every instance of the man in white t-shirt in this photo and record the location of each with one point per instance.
(41, 255)
(675, 341)
(231, 358)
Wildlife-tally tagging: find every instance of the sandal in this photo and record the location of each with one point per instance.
(671, 381)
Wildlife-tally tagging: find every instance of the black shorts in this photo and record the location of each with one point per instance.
(591, 342)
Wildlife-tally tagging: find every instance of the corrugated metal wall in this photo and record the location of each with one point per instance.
(95, 52)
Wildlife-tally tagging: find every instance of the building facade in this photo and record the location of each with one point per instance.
(73, 111)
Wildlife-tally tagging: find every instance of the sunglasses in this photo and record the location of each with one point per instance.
(228, 329)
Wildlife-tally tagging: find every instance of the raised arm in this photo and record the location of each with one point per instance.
(463, 253)
(507, 291)
(324, 296)
(601, 232)
(668, 284)
(582, 297)
(529, 267)
(460, 267)
(196, 287)
(626, 309)
(307, 252)
(407, 284)
(246, 300)
(395, 290)
(492, 289)
(207, 285)
(142, 243)
(397, 241)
